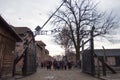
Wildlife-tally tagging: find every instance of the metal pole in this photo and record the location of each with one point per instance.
(82, 54)
(24, 69)
(92, 51)
(51, 16)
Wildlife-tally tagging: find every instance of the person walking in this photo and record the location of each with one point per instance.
(65, 64)
(69, 64)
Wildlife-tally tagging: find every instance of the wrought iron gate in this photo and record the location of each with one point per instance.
(88, 65)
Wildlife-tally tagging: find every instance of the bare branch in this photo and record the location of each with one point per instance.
(80, 15)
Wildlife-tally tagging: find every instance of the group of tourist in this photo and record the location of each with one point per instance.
(57, 65)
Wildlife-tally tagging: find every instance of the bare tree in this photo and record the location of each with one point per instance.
(63, 39)
(79, 16)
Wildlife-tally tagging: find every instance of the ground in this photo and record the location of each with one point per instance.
(43, 74)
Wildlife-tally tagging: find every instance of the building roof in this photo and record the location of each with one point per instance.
(108, 52)
(9, 29)
(22, 30)
(46, 51)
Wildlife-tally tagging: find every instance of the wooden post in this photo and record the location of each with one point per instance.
(103, 67)
(104, 61)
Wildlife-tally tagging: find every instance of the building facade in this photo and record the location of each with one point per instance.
(42, 53)
(27, 63)
(8, 39)
(111, 56)
(40, 48)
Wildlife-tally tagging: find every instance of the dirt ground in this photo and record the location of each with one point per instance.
(43, 74)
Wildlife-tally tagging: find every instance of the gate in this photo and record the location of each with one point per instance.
(88, 57)
(88, 65)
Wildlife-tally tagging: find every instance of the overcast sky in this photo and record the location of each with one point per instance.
(30, 13)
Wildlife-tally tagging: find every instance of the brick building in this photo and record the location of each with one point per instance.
(40, 48)
(8, 39)
(27, 64)
(42, 53)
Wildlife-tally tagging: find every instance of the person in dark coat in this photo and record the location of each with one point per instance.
(55, 64)
(65, 65)
(69, 64)
(49, 64)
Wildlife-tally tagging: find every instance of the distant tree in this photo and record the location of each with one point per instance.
(62, 39)
(79, 16)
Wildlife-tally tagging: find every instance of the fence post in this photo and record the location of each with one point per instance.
(92, 51)
(24, 69)
(98, 67)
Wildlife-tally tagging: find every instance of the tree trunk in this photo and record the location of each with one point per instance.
(77, 54)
